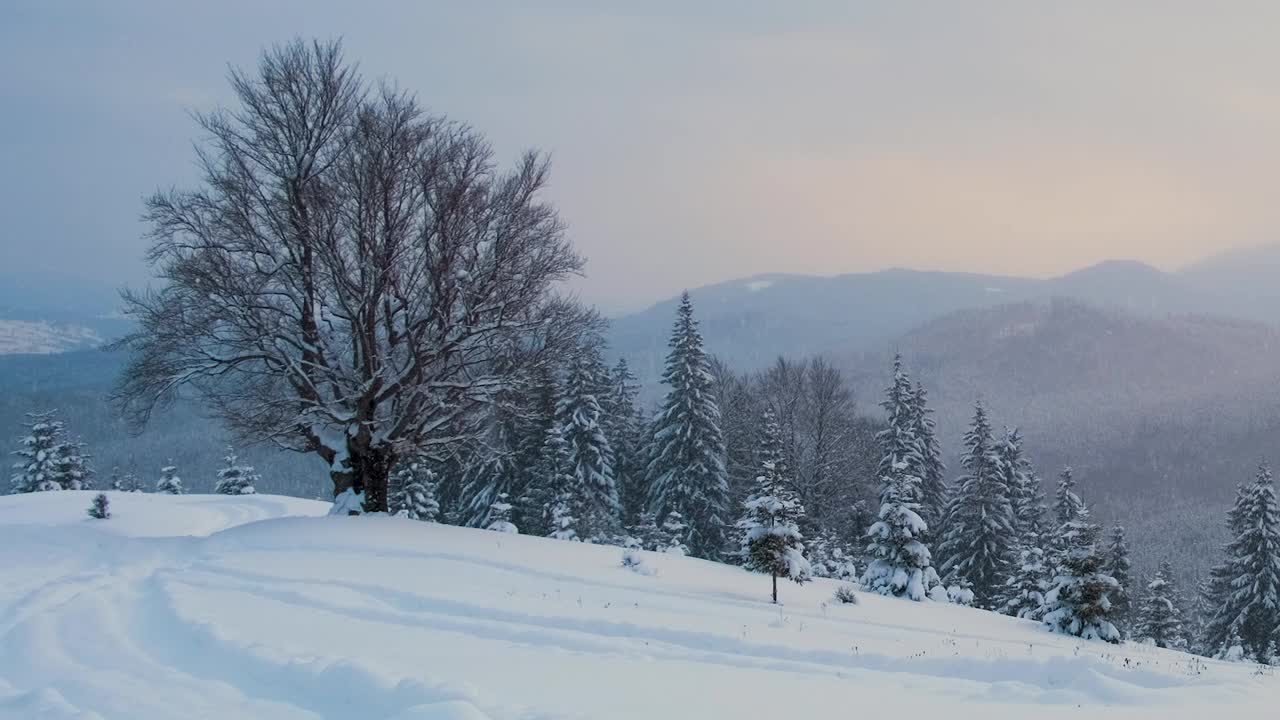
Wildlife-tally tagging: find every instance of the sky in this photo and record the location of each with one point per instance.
(695, 143)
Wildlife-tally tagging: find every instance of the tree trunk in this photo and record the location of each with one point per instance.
(775, 588)
(368, 471)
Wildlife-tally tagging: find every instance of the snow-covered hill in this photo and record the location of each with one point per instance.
(218, 607)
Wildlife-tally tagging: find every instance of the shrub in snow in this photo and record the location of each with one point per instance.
(771, 540)
(687, 473)
(845, 595)
(48, 460)
(348, 502)
(100, 509)
(633, 560)
(169, 481)
(234, 478)
(413, 492)
(500, 514)
(958, 594)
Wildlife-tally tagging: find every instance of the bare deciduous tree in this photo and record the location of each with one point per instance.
(353, 278)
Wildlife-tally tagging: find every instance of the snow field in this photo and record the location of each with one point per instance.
(251, 607)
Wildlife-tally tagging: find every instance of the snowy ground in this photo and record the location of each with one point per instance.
(247, 607)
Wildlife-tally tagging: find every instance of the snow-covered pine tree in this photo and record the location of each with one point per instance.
(500, 516)
(686, 470)
(169, 481)
(1249, 579)
(413, 492)
(770, 536)
(234, 478)
(537, 462)
(590, 456)
(1116, 563)
(1067, 506)
(932, 473)
(901, 563)
(101, 507)
(553, 489)
(675, 534)
(116, 480)
(1025, 494)
(129, 482)
(37, 468)
(620, 420)
(1029, 581)
(493, 468)
(1079, 603)
(977, 548)
(646, 532)
(560, 517)
(47, 459)
(1159, 619)
(73, 468)
(1030, 576)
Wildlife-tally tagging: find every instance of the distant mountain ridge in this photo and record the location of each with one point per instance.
(751, 321)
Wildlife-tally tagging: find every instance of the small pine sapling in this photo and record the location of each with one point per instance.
(100, 509)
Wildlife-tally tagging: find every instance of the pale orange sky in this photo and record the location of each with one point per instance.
(695, 145)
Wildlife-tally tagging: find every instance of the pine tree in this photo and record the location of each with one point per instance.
(1025, 494)
(413, 492)
(561, 519)
(1215, 591)
(101, 507)
(129, 482)
(646, 532)
(234, 478)
(932, 473)
(48, 459)
(169, 481)
(116, 481)
(675, 534)
(901, 562)
(621, 422)
(980, 536)
(493, 469)
(686, 470)
(1067, 506)
(1159, 620)
(1030, 575)
(500, 516)
(1079, 603)
(552, 491)
(770, 537)
(1118, 566)
(1249, 580)
(590, 456)
(1031, 578)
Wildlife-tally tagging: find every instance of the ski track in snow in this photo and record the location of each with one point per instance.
(222, 607)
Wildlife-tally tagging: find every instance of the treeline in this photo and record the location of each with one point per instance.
(778, 472)
(50, 459)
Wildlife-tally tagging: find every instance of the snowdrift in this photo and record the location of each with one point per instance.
(257, 607)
